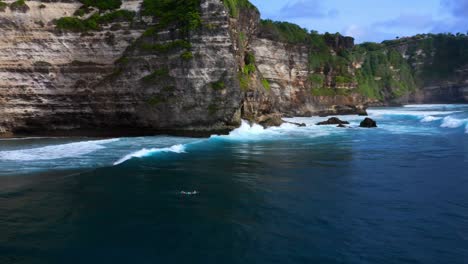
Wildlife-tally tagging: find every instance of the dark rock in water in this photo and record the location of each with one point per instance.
(333, 121)
(270, 120)
(341, 125)
(369, 123)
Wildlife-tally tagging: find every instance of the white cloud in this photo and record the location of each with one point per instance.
(307, 9)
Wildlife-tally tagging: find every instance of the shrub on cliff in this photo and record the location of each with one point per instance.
(384, 72)
(183, 14)
(3, 6)
(284, 31)
(92, 23)
(76, 24)
(234, 6)
(19, 6)
(116, 16)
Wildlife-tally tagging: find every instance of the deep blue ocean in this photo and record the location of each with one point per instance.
(315, 194)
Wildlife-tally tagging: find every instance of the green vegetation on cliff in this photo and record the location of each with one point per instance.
(3, 6)
(335, 63)
(435, 57)
(284, 31)
(94, 22)
(182, 14)
(384, 73)
(156, 76)
(266, 84)
(235, 6)
(166, 47)
(247, 71)
(180, 17)
(19, 5)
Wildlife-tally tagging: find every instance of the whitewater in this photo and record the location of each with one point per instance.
(42, 154)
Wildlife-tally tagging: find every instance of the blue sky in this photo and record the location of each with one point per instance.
(370, 20)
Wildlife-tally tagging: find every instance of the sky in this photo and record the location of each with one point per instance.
(370, 20)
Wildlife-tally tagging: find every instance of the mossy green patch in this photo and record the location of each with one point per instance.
(266, 84)
(329, 92)
(183, 14)
(235, 6)
(186, 55)
(3, 6)
(156, 76)
(219, 85)
(19, 5)
(93, 23)
(316, 80)
(166, 47)
(155, 100)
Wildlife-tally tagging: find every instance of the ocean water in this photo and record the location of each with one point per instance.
(315, 194)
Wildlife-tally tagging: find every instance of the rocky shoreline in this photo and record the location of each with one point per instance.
(125, 78)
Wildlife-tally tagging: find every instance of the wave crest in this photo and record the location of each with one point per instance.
(428, 119)
(54, 152)
(148, 152)
(450, 122)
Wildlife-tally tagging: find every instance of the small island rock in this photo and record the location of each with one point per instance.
(333, 121)
(368, 123)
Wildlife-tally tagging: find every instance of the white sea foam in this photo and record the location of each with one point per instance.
(450, 122)
(189, 193)
(148, 152)
(245, 131)
(422, 114)
(255, 132)
(55, 151)
(428, 119)
(425, 105)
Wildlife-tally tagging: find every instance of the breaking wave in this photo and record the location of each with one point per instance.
(148, 152)
(450, 122)
(55, 151)
(255, 132)
(409, 113)
(428, 119)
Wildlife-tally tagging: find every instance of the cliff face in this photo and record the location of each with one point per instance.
(178, 83)
(440, 66)
(278, 75)
(103, 82)
(70, 70)
(48, 78)
(285, 67)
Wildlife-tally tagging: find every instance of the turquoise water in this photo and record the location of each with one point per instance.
(395, 194)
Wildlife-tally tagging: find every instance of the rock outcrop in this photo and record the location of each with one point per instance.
(333, 121)
(368, 123)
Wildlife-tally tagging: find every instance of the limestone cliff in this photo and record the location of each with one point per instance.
(194, 67)
(105, 82)
(49, 79)
(440, 65)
